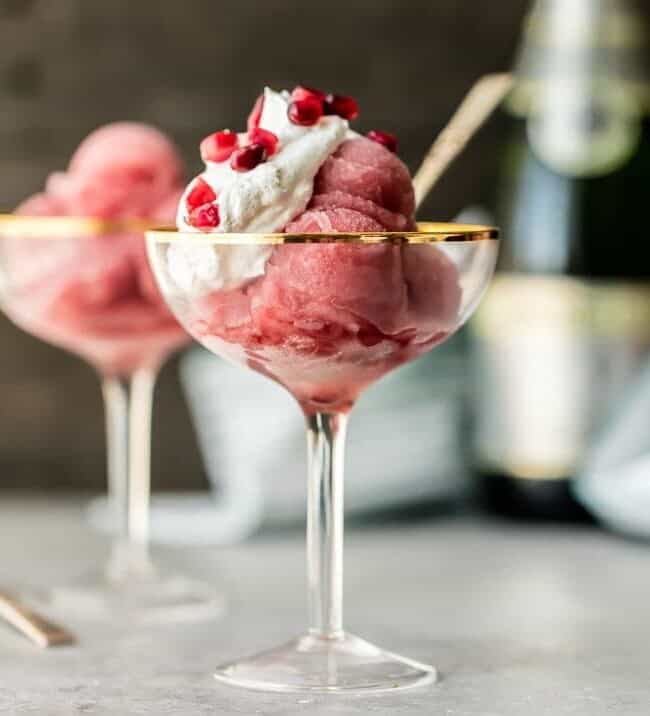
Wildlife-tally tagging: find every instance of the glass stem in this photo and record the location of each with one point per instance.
(128, 403)
(326, 447)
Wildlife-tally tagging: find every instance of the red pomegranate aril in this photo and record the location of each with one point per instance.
(386, 138)
(204, 217)
(345, 107)
(201, 193)
(256, 113)
(267, 139)
(302, 92)
(247, 158)
(217, 147)
(305, 112)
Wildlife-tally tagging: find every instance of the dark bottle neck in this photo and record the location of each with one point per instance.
(555, 223)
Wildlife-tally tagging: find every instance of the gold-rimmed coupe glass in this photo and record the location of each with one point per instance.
(325, 315)
(84, 284)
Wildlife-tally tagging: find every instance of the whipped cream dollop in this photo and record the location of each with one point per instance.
(269, 196)
(197, 268)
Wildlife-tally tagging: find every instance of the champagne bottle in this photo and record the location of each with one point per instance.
(567, 321)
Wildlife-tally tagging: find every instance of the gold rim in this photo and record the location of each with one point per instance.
(55, 227)
(82, 226)
(428, 232)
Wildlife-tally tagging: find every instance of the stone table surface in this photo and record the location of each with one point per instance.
(519, 620)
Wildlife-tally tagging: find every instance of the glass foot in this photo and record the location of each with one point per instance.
(147, 595)
(313, 663)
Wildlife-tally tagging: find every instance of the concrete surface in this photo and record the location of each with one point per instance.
(529, 621)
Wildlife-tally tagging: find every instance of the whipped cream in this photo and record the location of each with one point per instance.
(269, 196)
(198, 268)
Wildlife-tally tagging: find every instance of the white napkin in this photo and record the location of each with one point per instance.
(614, 483)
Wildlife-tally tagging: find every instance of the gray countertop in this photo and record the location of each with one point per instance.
(518, 620)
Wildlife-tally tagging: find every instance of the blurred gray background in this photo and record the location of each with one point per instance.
(67, 66)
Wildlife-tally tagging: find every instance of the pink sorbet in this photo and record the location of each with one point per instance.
(96, 296)
(326, 320)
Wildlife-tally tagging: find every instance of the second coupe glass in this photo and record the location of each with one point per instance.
(84, 284)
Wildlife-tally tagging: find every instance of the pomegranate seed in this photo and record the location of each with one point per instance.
(201, 193)
(247, 158)
(219, 146)
(204, 217)
(256, 113)
(265, 138)
(305, 111)
(345, 107)
(302, 92)
(386, 138)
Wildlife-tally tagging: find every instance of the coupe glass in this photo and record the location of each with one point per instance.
(84, 284)
(325, 315)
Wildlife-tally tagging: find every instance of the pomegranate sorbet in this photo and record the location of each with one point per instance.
(95, 295)
(324, 319)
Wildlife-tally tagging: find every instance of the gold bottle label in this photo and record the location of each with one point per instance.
(552, 354)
